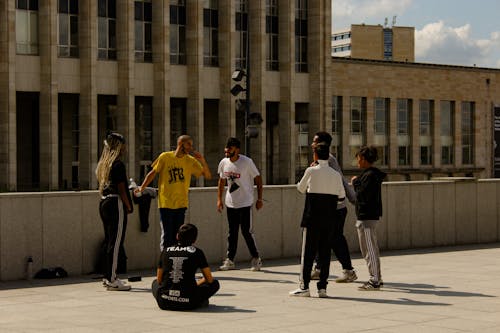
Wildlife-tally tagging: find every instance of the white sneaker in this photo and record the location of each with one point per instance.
(322, 293)
(300, 292)
(348, 276)
(118, 285)
(256, 264)
(227, 265)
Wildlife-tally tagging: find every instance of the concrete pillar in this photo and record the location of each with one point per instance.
(49, 89)
(88, 94)
(414, 105)
(161, 63)
(8, 163)
(288, 143)
(126, 72)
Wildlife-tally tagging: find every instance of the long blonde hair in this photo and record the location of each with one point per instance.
(112, 150)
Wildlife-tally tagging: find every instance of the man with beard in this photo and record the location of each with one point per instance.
(239, 173)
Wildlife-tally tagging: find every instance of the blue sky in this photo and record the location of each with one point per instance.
(454, 32)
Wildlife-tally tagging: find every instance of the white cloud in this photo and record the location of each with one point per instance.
(438, 43)
(349, 12)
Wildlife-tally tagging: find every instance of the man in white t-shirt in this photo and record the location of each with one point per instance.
(239, 173)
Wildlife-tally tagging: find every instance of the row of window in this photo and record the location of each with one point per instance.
(340, 36)
(341, 48)
(404, 110)
(68, 31)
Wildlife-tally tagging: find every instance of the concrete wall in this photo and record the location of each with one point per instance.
(64, 228)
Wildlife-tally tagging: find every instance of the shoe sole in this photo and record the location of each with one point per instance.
(127, 288)
(300, 295)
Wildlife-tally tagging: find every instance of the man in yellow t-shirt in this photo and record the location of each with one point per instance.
(175, 169)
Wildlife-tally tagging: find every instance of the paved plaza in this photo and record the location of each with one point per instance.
(433, 290)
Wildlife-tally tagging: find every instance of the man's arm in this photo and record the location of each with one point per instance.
(205, 171)
(207, 276)
(220, 189)
(147, 180)
(258, 182)
(159, 275)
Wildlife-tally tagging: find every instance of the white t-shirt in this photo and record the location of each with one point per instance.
(240, 180)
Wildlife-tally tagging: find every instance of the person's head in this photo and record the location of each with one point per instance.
(187, 234)
(366, 156)
(322, 137)
(114, 146)
(185, 144)
(232, 148)
(322, 151)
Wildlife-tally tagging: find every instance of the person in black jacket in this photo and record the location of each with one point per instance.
(323, 187)
(368, 211)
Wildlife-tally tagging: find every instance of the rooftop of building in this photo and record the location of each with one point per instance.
(433, 290)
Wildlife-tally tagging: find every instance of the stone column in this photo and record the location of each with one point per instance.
(88, 94)
(161, 63)
(288, 142)
(414, 133)
(393, 139)
(8, 168)
(47, 34)
(257, 25)
(126, 72)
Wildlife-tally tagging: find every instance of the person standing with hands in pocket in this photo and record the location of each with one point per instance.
(239, 173)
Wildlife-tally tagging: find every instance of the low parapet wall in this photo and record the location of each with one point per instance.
(64, 228)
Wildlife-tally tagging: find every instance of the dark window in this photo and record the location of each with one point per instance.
(106, 26)
(143, 14)
(68, 28)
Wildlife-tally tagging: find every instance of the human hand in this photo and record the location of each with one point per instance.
(259, 204)
(220, 206)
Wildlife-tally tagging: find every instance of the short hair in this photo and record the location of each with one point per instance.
(187, 234)
(324, 137)
(369, 153)
(322, 151)
(233, 142)
(183, 138)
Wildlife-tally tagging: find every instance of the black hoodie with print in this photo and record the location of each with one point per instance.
(368, 187)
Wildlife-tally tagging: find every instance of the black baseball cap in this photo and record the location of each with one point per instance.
(117, 136)
(233, 142)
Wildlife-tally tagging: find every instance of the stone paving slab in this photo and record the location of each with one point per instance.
(432, 290)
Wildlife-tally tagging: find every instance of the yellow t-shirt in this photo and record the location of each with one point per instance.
(174, 178)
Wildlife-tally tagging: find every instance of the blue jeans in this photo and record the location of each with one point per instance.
(171, 220)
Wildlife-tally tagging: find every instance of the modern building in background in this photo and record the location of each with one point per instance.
(71, 70)
(375, 42)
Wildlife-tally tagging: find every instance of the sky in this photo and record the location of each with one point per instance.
(452, 32)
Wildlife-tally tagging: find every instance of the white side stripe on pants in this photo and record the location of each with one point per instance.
(116, 250)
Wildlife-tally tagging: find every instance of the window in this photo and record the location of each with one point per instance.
(357, 136)
(403, 130)
(337, 127)
(446, 131)
(468, 132)
(387, 44)
(272, 31)
(106, 26)
(425, 128)
(27, 27)
(380, 129)
(144, 133)
(303, 156)
(241, 22)
(178, 32)
(68, 28)
(210, 33)
(301, 36)
(143, 15)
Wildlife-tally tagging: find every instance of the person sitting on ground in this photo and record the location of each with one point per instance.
(175, 286)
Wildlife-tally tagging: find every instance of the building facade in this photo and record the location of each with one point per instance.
(426, 120)
(375, 42)
(71, 70)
